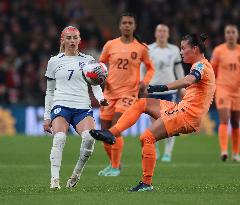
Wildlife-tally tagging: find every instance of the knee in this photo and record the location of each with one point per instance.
(148, 147)
(59, 140)
(147, 139)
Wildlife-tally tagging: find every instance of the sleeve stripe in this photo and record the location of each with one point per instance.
(179, 62)
(196, 74)
(49, 78)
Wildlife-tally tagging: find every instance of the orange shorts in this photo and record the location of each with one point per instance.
(174, 118)
(116, 105)
(225, 99)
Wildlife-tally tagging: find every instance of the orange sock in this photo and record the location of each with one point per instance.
(148, 156)
(235, 140)
(107, 148)
(223, 137)
(129, 117)
(116, 152)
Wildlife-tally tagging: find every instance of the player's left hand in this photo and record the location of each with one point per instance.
(103, 102)
(157, 88)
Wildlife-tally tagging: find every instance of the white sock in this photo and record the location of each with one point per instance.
(169, 143)
(59, 140)
(86, 151)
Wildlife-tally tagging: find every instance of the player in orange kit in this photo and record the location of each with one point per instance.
(226, 64)
(124, 56)
(171, 118)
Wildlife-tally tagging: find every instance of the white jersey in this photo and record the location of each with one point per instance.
(71, 90)
(165, 61)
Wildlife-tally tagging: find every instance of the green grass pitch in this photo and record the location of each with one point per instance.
(196, 175)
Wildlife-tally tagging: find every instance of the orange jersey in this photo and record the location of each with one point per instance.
(199, 96)
(124, 67)
(226, 64)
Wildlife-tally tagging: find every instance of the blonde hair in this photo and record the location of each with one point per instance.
(62, 46)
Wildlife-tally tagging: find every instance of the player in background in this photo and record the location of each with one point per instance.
(67, 102)
(124, 56)
(226, 64)
(167, 63)
(170, 118)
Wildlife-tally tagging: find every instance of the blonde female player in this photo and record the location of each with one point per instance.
(67, 102)
(226, 64)
(171, 118)
(124, 56)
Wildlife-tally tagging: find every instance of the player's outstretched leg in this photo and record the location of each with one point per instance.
(86, 151)
(103, 135)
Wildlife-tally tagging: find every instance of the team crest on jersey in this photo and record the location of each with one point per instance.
(134, 55)
(199, 66)
(57, 110)
(81, 64)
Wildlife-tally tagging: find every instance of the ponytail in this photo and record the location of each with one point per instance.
(195, 40)
(62, 48)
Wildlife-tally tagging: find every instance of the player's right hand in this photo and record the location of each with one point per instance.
(47, 126)
(157, 88)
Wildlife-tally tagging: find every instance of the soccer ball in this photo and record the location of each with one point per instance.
(95, 73)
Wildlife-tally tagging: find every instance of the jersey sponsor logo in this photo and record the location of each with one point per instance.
(199, 67)
(134, 55)
(57, 110)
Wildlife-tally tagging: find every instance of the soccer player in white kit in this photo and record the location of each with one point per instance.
(67, 102)
(167, 63)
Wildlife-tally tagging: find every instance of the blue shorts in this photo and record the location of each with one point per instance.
(169, 97)
(72, 115)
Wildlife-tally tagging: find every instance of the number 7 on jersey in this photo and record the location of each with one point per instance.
(71, 73)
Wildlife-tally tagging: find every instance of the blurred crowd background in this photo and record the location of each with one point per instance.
(29, 33)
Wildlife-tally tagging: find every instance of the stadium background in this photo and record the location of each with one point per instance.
(29, 35)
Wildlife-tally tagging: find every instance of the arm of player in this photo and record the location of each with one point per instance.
(104, 57)
(149, 72)
(98, 94)
(215, 61)
(177, 84)
(51, 84)
(179, 75)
